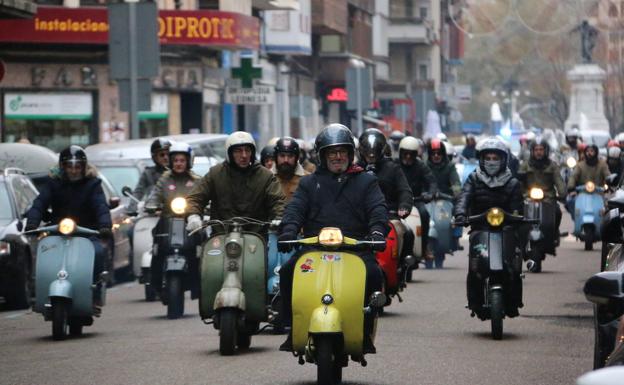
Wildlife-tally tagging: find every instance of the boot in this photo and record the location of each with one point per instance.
(287, 346)
(368, 347)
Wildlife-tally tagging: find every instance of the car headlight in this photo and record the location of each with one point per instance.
(590, 187)
(536, 193)
(330, 236)
(178, 205)
(571, 162)
(67, 226)
(495, 216)
(5, 248)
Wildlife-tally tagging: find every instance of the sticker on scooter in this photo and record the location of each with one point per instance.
(214, 252)
(331, 257)
(216, 243)
(306, 267)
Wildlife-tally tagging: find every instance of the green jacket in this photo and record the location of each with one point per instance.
(548, 179)
(584, 173)
(231, 192)
(446, 177)
(168, 187)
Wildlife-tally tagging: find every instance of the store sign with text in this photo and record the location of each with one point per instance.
(89, 25)
(31, 106)
(255, 95)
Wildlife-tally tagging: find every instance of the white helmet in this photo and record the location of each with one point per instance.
(492, 144)
(409, 143)
(181, 148)
(614, 152)
(573, 131)
(442, 136)
(619, 137)
(239, 138)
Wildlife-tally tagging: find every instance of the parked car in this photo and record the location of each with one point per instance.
(606, 291)
(17, 252)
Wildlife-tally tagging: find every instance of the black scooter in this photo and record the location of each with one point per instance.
(494, 266)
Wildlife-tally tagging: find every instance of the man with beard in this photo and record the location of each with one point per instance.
(237, 187)
(590, 169)
(287, 168)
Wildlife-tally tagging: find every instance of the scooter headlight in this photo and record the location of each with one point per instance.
(590, 187)
(536, 193)
(233, 249)
(67, 226)
(495, 216)
(178, 205)
(330, 236)
(571, 162)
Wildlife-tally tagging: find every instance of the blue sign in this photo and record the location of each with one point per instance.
(472, 127)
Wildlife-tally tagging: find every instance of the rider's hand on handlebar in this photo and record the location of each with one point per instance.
(376, 236)
(105, 233)
(194, 222)
(459, 219)
(403, 213)
(285, 247)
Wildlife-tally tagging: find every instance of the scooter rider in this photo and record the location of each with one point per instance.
(540, 171)
(237, 187)
(420, 179)
(447, 179)
(395, 139)
(73, 190)
(589, 169)
(176, 182)
(470, 148)
(491, 185)
(615, 161)
(160, 155)
(287, 168)
(267, 158)
(338, 194)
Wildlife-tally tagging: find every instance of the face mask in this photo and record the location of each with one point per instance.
(491, 167)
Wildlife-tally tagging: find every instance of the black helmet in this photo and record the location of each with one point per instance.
(540, 141)
(287, 144)
(267, 152)
(372, 142)
(332, 135)
(72, 154)
(159, 144)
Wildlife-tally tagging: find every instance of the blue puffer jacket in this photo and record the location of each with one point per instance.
(83, 201)
(353, 202)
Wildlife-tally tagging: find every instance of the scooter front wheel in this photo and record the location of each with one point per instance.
(75, 327)
(59, 319)
(589, 238)
(175, 289)
(496, 314)
(328, 368)
(228, 333)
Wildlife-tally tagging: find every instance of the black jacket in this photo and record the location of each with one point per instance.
(476, 197)
(353, 202)
(83, 201)
(393, 185)
(419, 177)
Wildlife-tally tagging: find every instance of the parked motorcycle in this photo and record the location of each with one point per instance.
(441, 231)
(328, 291)
(142, 244)
(588, 211)
(177, 275)
(234, 282)
(64, 278)
(543, 237)
(493, 259)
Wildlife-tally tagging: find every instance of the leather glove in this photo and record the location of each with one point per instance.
(285, 247)
(376, 236)
(193, 222)
(427, 197)
(460, 219)
(30, 226)
(105, 233)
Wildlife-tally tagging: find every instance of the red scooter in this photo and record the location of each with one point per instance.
(394, 270)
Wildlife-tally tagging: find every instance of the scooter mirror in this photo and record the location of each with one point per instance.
(410, 261)
(377, 299)
(126, 191)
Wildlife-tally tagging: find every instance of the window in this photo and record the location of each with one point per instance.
(24, 193)
(121, 176)
(423, 72)
(331, 43)
(424, 12)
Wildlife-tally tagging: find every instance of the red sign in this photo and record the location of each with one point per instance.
(89, 25)
(338, 95)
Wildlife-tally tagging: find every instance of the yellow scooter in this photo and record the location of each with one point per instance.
(329, 286)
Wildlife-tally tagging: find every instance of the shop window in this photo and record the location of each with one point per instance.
(331, 43)
(53, 134)
(150, 128)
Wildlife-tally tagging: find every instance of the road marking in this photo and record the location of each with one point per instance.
(15, 315)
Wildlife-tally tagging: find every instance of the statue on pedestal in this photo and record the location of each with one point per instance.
(589, 35)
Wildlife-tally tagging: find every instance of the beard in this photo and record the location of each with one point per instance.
(286, 169)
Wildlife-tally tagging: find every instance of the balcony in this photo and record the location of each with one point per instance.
(274, 5)
(329, 17)
(409, 31)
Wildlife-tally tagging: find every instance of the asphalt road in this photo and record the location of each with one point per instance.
(428, 339)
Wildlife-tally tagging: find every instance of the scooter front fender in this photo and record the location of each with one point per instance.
(61, 288)
(175, 263)
(325, 319)
(230, 297)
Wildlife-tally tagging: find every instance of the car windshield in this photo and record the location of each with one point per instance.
(6, 212)
(120, 176)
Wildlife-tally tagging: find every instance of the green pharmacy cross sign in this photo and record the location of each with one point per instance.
(247, 73)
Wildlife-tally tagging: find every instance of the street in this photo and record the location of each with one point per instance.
(428, 339)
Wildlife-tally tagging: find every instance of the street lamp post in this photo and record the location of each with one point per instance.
(510, 92)
(358, 65)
